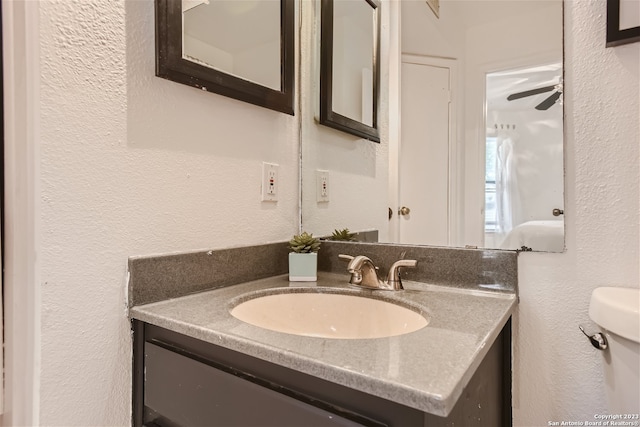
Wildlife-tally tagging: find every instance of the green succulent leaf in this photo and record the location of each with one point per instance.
(304, 243)
(344, 235)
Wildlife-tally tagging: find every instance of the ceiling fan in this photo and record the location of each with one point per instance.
(547, 103)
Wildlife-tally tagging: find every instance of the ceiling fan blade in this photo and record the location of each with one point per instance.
(549, 102)
(530, 92)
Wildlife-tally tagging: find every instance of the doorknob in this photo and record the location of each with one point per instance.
(557, 212)
(404, 211)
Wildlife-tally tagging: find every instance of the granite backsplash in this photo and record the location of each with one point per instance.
(157, 278)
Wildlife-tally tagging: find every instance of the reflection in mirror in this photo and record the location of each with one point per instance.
(355, 168)
(215, 35)
(349, 66)
(520, 198)
(240, 49)
(471, 167)
(352, 74)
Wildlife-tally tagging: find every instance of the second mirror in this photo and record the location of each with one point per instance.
(349, 67)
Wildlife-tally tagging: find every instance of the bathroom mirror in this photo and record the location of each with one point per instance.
(240, 49)
(623, 22)
(349, 66)
(477, 156)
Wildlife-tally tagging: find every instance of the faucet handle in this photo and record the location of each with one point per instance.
(350, 258)
(393, 279)
(405, 263)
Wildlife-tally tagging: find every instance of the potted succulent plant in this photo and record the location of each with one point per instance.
(343, 235)
(303, 258)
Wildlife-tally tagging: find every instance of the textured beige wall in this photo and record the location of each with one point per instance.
(133, 164)
(558, 374)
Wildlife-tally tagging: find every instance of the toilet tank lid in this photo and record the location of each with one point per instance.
(617, 310)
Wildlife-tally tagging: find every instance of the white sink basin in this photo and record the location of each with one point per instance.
(329, 315)
(617, 310)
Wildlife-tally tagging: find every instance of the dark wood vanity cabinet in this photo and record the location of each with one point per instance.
(181, 381)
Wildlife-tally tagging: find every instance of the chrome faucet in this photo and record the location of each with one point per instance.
(393, 278)
(365, 274)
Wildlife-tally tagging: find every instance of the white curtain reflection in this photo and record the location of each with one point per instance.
(507, 197)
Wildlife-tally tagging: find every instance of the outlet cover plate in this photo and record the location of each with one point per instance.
(323, 186)
(270, 182)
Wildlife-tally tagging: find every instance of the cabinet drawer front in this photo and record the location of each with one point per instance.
(191, 393)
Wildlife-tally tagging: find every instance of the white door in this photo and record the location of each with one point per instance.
(425, 150)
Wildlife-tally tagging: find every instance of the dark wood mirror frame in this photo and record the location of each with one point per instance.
(328, 117)
(616, 36)
(171, 65)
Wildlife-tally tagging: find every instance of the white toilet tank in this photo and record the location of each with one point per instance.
(617, 311)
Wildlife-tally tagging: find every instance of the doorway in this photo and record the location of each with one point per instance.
(523, 140)
(426, 151)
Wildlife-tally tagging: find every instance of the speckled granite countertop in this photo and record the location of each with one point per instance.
(426, 369)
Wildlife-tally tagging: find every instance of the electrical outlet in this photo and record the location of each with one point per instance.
(270, 182)
(322, 181)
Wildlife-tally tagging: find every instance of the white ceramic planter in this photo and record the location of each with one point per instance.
(303, 267)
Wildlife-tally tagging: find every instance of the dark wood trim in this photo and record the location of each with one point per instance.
(328, 117)
(507, 375)
(616, 36)
(170, 64)
(137, 394)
